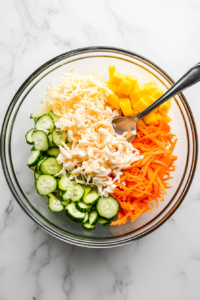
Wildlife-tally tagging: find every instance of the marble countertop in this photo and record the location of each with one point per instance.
(165, 264)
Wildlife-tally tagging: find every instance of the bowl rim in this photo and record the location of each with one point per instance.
(25, 84)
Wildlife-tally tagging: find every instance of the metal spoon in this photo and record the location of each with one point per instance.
(123, 124)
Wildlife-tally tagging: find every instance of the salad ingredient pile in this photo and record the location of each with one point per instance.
(83, 166)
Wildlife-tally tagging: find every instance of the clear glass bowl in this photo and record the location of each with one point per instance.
(15, 151)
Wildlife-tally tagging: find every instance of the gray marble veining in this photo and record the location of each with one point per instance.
(33, 265)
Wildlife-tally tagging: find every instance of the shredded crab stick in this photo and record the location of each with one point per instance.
(146, 180)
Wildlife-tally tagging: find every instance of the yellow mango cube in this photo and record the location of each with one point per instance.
(165, 118)
(151, 119)
(164, 108)
(141, 123)
(113, 87)
(111, 70)
(117, 77)
(125, 87)
(113, 99)
(134, 96)
(140, 105)
(148, 99)
(135, 113)
(126, 108)
(142, 89)
(132, 79)
(151, 84)
(157, 94)
(120, 95)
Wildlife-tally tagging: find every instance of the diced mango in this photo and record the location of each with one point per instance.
(134, 96)
(126, 108)
(117, 77)
(111, 70)
(120, 95)
(140, 105)
(125, 87)
(141, 123)
(165, 118)
(151, 84)
(113, 99)
(148, 99)
(132, 79)
(135, 113)
(164, 108)
(151, 119)
(157, 94)
(113, 87)
(142, 89)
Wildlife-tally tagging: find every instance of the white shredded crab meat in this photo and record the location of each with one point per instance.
(97, 153)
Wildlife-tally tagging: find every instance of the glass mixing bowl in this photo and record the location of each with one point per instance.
(15, 151)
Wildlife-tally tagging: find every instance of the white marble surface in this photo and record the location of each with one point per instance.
(164, 265)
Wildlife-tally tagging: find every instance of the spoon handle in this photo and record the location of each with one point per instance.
(190, 78)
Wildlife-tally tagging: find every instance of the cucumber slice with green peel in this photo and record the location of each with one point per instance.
(41, 141)
(45, 123)
(50, 166)
(39, 163)
(54, 116)
(91, 198)
(51, 144)
(39, 113)
(107, 207)
(57, 194)
(28, 136)
(82, 207)
(74, 214)
(77, 193)
(34, 157)
(36, 175)
(87, 190)
(65, 183)
(67, 195)
(103, 221)
(55, 205)
(86, 217)
(45, 184)
(88, 226)
(93, 217)
(65, 203)
(33, 168)
(53, 152)
(58, 137)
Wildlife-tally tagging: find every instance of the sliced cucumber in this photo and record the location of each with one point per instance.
(91, 198)
(86, 217)
(45, 184)
(107, 207)
(103, 221)
(40, 140)
(28, 136)
(39, 163)
(82, 207)
(74, 214)
(65, 183)
(93, 217)
(53, 152)
(36, 175)
(40, 113)
(51, 144)
(77, 193)
(33, 168)
(54, 116)
(57, 194)
(55, 205)
(50, 166)
(65, 203)
(45, 123)
(34, 157)
(67, 195)
(88, 226)
(87, 190)
(58, 137)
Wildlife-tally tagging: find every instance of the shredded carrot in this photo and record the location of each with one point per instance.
(146, 179)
